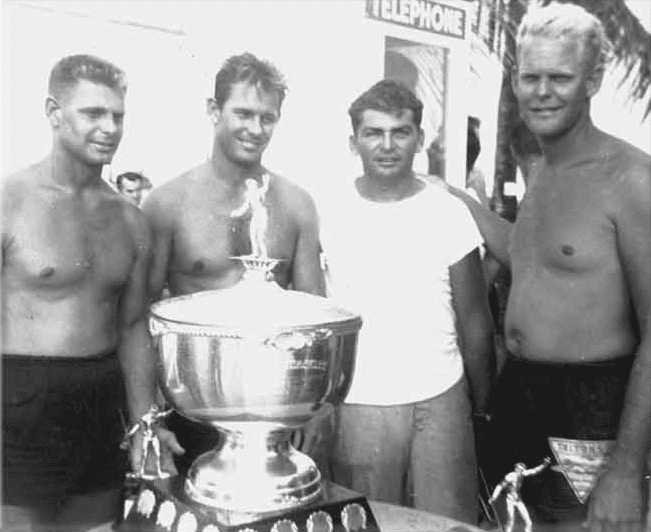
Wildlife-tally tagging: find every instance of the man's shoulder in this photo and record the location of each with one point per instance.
(624, 154)
(167, 196)
(291, 194)
(128, 212)
(626, 167)
(20, 186)
(438, 193)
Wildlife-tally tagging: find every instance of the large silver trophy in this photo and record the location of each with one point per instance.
(256, 362)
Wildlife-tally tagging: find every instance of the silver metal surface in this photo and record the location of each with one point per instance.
(255, 361)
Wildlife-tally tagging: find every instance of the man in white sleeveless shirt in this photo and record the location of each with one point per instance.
(404, 253)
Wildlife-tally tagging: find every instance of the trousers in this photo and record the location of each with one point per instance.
(419, 454)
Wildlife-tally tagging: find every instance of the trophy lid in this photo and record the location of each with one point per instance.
(252, 306)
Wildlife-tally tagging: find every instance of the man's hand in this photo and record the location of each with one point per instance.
(618, 502)
(169, 446)
(316, 436)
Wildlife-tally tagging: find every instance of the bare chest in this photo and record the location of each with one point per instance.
(60, 245)
(565, 230)
(206, 239)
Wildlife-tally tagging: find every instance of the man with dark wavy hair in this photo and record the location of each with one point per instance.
(202, 218)
(405, 432)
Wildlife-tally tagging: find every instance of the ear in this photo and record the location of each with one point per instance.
(352, 143)
(213, 110)
(53, 111)
(593, 81)
(421, 140)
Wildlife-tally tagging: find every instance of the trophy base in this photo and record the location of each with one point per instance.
(162, 506)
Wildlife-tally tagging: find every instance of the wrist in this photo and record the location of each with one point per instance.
(627, 462)
(482, 417)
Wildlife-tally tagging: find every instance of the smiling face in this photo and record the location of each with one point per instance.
(88, 121)
(387, 143)
(245, 123)
(553, 84)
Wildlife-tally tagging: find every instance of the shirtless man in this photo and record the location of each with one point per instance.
(577, 324)
(74, 271)
(195, 229)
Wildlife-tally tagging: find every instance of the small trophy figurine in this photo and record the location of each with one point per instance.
(254, 202)
(147, 423)
(512, 483)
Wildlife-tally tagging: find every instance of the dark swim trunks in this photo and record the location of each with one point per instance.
(578, 405)
(62, 427)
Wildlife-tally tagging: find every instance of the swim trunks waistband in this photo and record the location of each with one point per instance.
(611, 362)
(63, 359)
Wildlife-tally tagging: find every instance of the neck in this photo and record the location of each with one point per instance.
(231, 173)
(69, 172)
(393, 188)
(575, 142)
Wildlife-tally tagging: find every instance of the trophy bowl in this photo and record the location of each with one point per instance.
(256, 362)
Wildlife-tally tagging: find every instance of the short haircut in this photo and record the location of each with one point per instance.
(248, 68)
(70, 70)
(131, 176)
(388, 96)
(566, 19)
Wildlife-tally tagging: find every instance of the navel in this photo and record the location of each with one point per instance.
(46, 272)
(197, 266)
(567, 250)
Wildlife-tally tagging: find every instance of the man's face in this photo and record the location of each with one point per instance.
(245, 123)
(552, 84)
(387, 143)
(132, 189)
(88, 121)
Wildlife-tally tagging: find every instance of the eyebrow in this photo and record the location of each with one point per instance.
(400, 129)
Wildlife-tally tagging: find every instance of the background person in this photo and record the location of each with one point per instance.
(75, 364)
(133, 185)
(405, 432)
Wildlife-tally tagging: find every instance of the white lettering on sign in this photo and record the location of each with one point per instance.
(421, 14)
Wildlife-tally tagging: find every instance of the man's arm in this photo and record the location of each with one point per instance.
(538, 469)
(474, 327)
(619, 494)
(496, 492)
(161, 247)
(135, 351)
(307, 274)
(495, 230)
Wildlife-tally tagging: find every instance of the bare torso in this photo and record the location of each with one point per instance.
(66, 259)
(569, 299)
(193, 213)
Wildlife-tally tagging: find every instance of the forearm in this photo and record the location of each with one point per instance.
(138, 367)
(494, 229)
(477, 348)
(633, 442)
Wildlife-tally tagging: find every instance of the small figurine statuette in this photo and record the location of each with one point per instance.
(512, 483)
(146, 424)
(254, 202)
